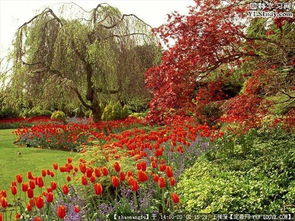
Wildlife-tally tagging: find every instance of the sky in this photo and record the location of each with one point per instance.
(13, 13)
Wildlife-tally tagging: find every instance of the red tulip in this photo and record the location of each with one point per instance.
(161, 182)
(17, 216)
(172, 181)
(32, 184)
(122, 176)
(129, 173)
(39, 181)
(156, 177)
(134, 184)
(3, 202)
(98, 189)
(70, 160)
(30, 175)
(53, 185)
(55, 166)
(162, 167)
(104, 171)
(142, 177)
(13, 190)
(61, 211)
(49, 197)
(25, 187)
(43, 173)
(141, 166)
(179, 149)
(97, 172)
(68, 178)
(82, 167)
(84, 180)
(77, 209)
(65, 189)
(39, 202)
(13, 183)
(115, 181)
(117, 167)
(3, 193)
(30, 193)
(175, 197)
(29, 207)
(19, 178)
(38, 218)
(92, 179)
(169, 171)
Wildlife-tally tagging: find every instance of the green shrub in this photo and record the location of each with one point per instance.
(58, 115)
(138, 105)
(7, 112)
(138, 115)
(212, 112)
(253, 173)
(114, 112)
(35, 112)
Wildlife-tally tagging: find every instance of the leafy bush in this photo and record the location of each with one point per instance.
(58, 115)
(138, 105)
(7, 112)
(35, 112)
(253, 173)
(212, 112)
(114, 112)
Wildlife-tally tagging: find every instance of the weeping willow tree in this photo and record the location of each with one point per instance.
(91, 56)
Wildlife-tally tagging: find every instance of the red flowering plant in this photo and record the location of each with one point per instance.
(70, 136)
(26, 122)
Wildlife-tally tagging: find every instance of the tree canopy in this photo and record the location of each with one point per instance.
(90, 59)
(222, 60)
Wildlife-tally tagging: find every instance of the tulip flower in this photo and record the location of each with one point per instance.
(98, 189)
(17, 216)
(32, 184)
(25, 187)
(122, 176)
(19, 178)
(104, 171)
(97, 172)
(162, 182)
(115, 181)
(175, 197)
(61, 211)
(13, 190)
(142, 177)
(55, 166)
(84, 180)
(49, 197)
(169, 171)
(30, 175)
(77, 209)
(39, 202)
(53, 185)
(65, 189)
(117, 167)
(3, 202)
(30, 193)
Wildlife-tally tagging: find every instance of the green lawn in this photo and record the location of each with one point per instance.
(30, 159)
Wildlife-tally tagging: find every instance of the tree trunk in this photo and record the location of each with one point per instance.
(96, 110)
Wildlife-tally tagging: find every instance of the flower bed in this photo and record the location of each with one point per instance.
(69, 136)
(132, 171)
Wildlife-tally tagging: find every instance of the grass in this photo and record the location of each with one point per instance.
(30, 159)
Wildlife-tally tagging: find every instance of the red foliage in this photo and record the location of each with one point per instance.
(204, 40)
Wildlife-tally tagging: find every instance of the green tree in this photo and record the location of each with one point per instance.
(94, 57)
